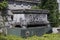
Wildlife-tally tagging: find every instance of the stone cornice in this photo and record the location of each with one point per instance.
(31, 11)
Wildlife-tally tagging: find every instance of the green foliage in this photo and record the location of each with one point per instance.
(52, 6)
(44, 37)
(52, 36)
(2, 38)
(3, 5)
(10, 37)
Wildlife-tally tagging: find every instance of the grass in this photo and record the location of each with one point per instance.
(44, 37)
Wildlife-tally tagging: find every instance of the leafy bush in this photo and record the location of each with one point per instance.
(52, 6)
(3, 4)
(44, 37)
(10, 37)
(2, 37)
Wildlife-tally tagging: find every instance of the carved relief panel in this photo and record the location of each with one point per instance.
(36, 17)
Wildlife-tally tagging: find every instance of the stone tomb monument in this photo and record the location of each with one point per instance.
(29, 17)
(29, 22)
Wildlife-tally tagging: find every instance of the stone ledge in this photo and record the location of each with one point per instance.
(40, 11)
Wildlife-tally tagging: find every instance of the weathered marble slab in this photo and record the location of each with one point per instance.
(30, 16)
